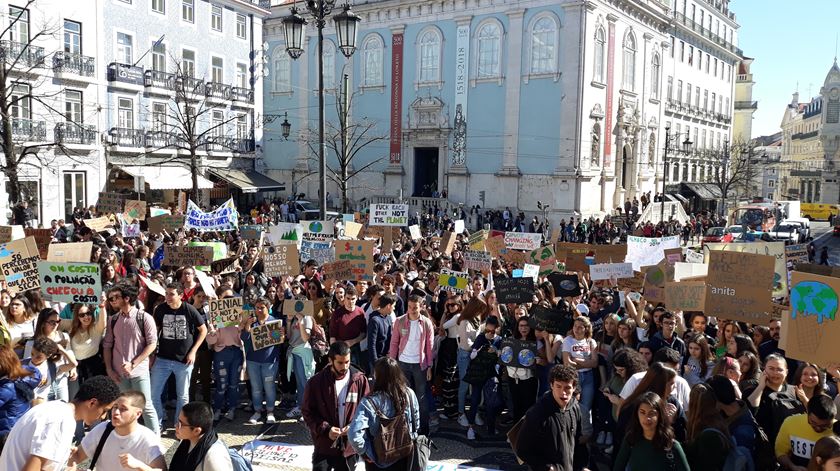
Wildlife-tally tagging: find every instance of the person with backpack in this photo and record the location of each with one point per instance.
(387, 420)
(799, 433)
(740, 422)
(773, 400)
(329, 404)
(710, 446)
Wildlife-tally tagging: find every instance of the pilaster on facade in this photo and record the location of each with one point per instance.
(512, 93)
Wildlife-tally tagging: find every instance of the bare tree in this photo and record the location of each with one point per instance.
(23, 138)
(736, 173)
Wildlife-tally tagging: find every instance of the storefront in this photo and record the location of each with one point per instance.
(247, 187)
(159, 183)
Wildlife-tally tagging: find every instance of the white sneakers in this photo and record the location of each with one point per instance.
(462, 420)
(470, 434)
(269, 418)
(478, 420)
(255, 418)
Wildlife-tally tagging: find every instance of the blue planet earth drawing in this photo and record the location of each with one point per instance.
(812, 298)
(316, 227)
(506, 355)
(527, 358)
(298, 306)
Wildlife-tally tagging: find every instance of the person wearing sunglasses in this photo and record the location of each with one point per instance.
(87, 329)
(65, 363)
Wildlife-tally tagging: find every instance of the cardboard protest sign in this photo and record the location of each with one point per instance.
(646, 251)
(360, 255)
(815, 269)
(352, 229)
(565, 285)
(795, 255)
(694, 257)
(555, 236)
(454, 281)
(219, 252)
(448, 242)
(110, 203)
(459, 226)
(224, 266)
(98, 224)
(281, 260)
(285, 231)
(514, 257)
(340, 270)
(655, 278)
(779, 312)
(773, 249)
(223, 218)
(494, 245)
(810, 332)
(70, 282)
(388, 215)
(673, 256)
(129, 230)
(154, 285)
(607, 271)
(518, 353)
(732, 296)
(266, 335)
(609, 253)
(19, 264)
(575, 255)
(226, 312)
(633, 284)
(7, 233)
(251, 232)
(43, 239)
(169, 222)
(187, 256)
(70, 252)
(530, 271)
(685, 296)
(479, 261)
(292, 307)
(206, 283)
(545, 258)
(134, 209)
(551, 320)
(514, 290)
(415, 232)
(318, 231)
(522, 240)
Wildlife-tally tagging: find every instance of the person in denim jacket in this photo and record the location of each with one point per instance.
(391, 396)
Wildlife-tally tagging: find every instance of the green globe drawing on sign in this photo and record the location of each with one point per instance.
(316, 227)
(812, 298)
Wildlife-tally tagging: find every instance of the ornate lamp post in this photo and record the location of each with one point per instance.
(686, 149)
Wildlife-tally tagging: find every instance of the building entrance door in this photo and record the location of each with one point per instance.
(426, 161)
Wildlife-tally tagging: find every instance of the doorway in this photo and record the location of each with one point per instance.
(425, 171)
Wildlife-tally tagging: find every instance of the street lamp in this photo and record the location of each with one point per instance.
(294, 27)
(686, 148)
(544, 209)
(285, 126)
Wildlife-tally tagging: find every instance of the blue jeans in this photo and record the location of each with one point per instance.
(161, 372)
(227, 365)
(416, 379)
(142, 384)
(261, 376)
(587, 396)
(300, 378)
(463, 362)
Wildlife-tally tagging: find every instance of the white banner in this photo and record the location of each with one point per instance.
(318, 231)
(646, 251)
(225, 218)
(389, 215)
(689, 270)
(285, 232)
(522, 240)
(606, 271)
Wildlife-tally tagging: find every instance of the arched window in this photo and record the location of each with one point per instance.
(655, 73)
(282, 71)
(600, 53)
(372, 61)
(629, 82)
(544, 45)
(329, 64)
(489, 50)
(429, 45)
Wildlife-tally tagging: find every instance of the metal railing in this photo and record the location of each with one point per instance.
(217, 90)
(158, 79)
(702, 31)
(242, 94)
(160, 139)
(74, 64)
(22, 55)
(746, 105)
(189, 86)
(72, 133)
(127, 137)
(29, 130)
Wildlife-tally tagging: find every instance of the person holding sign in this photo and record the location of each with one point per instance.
(523, 383)
(301, 359)
(262, 364)
(226, 345)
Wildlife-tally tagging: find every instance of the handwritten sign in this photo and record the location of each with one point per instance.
(455, 282)
(70, 282)
(689, 270)
(70, 252)
(545, 258)
(266, 335)
(448, 242)
(285, 231)
(727, 267)
(226, 312)
(551, 320)
(388, 215)
(21, 272)
(293, 307)
(352, 229)
(646, 251)
(730, 295)
(339, 270)
(479, 261)
(171, 223)
(606, 271)
(110, 202)
(281, 260)
(414, 232)
(98, 224)
(318, 231)
(522, 240)
(360, 255)
(773, 249)
(224, 218)
(809, 330)
(795, 255)
(518, 353)
(685, 296)
(43, 239)
(514, 290)
(187, 256)
(134, 209)
(694, 257)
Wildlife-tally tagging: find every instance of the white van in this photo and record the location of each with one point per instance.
(804, 223)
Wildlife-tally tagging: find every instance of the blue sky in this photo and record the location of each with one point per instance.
(792, 41)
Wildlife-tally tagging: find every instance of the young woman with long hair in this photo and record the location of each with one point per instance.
(523, 383)
(750, 370)
(809, 381)
(650, 442)
(20, 322)
(826, 455)
(659, 379)
(698, 363)
(580, 352)
(447, 361)
(726, 331)
(86, 334)
(626, 336)
(740, 343)
(14, 401)
(708, 435)
(390, 396)
(468, 323)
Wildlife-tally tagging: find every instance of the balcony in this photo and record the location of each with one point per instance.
(705, 33)
(161, 83)
(126, 77)
(746, 105)
(72, 133)
(127, 137)
(241, 145)
(69, 64)
(242, 95)
(217, 92)
(190, 88)
(22, 57)
(28, 130)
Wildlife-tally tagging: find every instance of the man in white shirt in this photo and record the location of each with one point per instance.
(122, 435)
(41, 440)
(671, 359)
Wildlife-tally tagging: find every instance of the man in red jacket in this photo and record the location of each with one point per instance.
(329, 404)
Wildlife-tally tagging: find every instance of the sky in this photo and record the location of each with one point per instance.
(792, 41)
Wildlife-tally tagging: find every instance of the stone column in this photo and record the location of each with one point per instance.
(457, 175)
(513, 80)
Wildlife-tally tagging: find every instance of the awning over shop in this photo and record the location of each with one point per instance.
(704, 191)
(249, 181)
(680, 197)
(166, 177)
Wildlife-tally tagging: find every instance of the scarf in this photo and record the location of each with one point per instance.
(187, 460)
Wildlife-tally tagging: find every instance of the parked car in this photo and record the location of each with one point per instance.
(736, 231)
(307, 211)
(713, 235)
(786, 232)
(804, 226)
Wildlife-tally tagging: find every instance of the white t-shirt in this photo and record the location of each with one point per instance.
(411, 352)
(42, 391)
(579, 349)
(680, 393)
(46, 431)
(216, 459)
(341, 396)
(143, 444)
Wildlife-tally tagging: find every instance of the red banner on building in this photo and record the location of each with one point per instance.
(396, 98)
(608, 121)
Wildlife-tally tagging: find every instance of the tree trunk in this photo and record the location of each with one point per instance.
(194, 174)
(344, 189)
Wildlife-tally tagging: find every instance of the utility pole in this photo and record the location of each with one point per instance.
(345, 141)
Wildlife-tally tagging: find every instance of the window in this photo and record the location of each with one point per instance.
(688, 90)
(19, 25)
(600, 48)
(241, 76)
(188, 10)
(125, 114)
(629, 82)
(72, 37)
(543, 45)
(690, 55)
(216, 17)
(372, 61)
(771, 183)
(679, 90)
(682, 51)
(697, 97)
(676, 174)
(670, 87)
(706, 100)
(218, 123)
(703, 139)
(429, 56)
(329, 64)
(159, 116)
(74, 193)
(714, 100)
(159, 56)
(242, 126)
(241, 26)
(217, 73)
(655, 72)
(188, 62)
(707, 63)
(159, 6)
(282, 71)
(489, 50)
(73, 106)
(125, 47)
(770, 196)
(21, 102)
(728, 113)
(716, 67)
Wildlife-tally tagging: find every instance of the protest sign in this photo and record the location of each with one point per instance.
(673, 256)
(19, 264)
(518, 353)
(285, 231)
(494, 245)
(318, 231)
(224, 218)
(655, 278)
(448, 242)
(129, 230)
(810, 332)
(281, 260)
(153, 211)
(43, 239)
(134, 209)
(224, 266)
(795, 255)
(633, 284)
(727, 267)
(479, 261)
(773, 249)
(815, 269)
(5, 234)
(689, 270)
(779, 311)
(266, 335)
(415, 232)
(340, 270)
(646, 251)
(352, 229)
(685, 296)
(522, 240)
(551, 320)
(514, 290)
(70, 282)
(732, 296)
(251, 232)
(206, 283)
(476, 241)
(514, 257)
(70, 252)
(110, 203)
(187, 256)
(455, 282)
(98, 224)
(321, 252)
(694, 257)
(545, 258)
(607, 271)
(170, 222)
(219, 252)
(292, 307)
(154, 286)
(360, 255)
(459, 226)
(575, 255)
(531, 271)
(565, 285)
(555, 236)
(226, 312)
(388, 215)
(609, 253)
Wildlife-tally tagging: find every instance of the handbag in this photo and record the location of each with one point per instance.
(492, 396)
(513, 438)
(481, 368)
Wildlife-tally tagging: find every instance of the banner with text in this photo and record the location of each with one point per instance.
(224, 218)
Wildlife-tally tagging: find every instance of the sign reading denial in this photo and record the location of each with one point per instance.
(226, 312)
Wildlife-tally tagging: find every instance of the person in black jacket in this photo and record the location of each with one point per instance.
(547, 438)
(379, 329)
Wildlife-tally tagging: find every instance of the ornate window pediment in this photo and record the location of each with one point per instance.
(428, 113)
